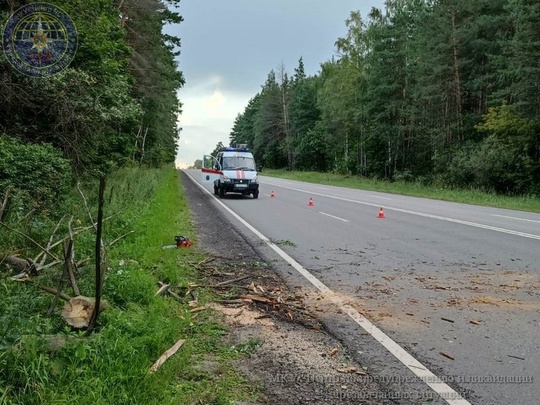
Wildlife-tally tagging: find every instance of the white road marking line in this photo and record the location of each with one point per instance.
(382, 198)
(435, 383)
(333, 216)
(517, 219)
(425, 215)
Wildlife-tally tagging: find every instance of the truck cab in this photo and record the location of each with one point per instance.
(233, 170)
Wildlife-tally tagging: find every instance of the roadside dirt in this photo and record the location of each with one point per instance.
(295, 361)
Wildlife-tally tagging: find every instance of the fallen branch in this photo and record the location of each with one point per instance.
(38, 269)
(120, 237)
(197, 265)
(252, 297)
(164, 287)
(30, 239)
(233, 301)
(68, 254)
(49, 243)
(86, 206)
(54, 291)
(18, 263)
(222, 284)
(175, 296)
(231, 281)
(207, 260)
(198, 309)
(166, 355)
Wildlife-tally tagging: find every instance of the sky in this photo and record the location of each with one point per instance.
(229, 47)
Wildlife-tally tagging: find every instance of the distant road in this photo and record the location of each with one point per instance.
(457, 286)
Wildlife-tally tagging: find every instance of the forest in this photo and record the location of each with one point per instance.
(440, 92)
(115, 104)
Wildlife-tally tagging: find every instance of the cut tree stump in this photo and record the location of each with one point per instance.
(78, 311)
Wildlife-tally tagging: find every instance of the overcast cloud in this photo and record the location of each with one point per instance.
(230, 46)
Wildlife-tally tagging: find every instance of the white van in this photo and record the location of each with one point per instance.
(233, 170)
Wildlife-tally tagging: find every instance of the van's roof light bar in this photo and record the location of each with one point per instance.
(231, 149)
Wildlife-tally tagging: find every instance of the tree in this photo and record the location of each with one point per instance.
(303, 112)
(218, 147)
(243, 130)
(268, 125)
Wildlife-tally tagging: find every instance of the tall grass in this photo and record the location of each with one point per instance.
(112, 366)
(417, 189)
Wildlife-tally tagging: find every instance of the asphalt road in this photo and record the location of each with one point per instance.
(456, 286)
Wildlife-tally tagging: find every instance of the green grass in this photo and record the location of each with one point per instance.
(112, 366)
(476, 197)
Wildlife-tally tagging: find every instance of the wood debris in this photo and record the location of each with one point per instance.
(347, 370)
(447, 356)
(198, 309)
(270, 296)
(439, 287)
(78, 311)
(166, 355)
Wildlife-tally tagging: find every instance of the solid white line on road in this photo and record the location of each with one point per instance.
(333, 216)
(423, 214)
(517, 219)
(435, 383)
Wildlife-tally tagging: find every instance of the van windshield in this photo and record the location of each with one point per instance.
(238, 163)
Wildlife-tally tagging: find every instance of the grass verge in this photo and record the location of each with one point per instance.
(475, 197)
(112, 366)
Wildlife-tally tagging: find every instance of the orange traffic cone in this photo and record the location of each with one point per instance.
(272, 195)
(381, 213)
(311, 203)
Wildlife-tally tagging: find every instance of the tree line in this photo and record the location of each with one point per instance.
(442, 92)
(114, 104)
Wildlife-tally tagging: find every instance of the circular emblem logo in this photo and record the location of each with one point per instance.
(40, 39)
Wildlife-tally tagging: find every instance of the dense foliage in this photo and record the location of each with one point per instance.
(116, 102)
(436, 91)
(36, 175)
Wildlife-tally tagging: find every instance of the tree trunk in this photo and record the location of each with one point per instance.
(457, 78)
(98, 247)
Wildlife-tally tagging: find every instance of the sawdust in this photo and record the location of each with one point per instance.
(295, 362)
(241, 316)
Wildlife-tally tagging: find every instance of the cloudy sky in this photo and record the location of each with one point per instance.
(230, 46)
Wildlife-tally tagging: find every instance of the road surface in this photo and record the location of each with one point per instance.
(435, 296)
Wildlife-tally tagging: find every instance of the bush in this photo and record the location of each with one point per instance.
(37, 175)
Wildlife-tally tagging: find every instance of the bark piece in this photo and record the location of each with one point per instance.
(166, 355)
